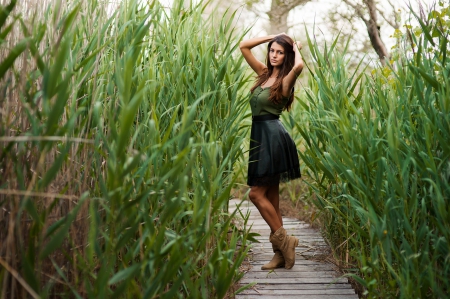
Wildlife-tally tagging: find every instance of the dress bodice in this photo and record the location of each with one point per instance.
(260, 104)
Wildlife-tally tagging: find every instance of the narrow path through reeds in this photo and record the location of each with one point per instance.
(309, 278)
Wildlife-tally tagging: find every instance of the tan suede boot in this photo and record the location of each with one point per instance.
(286, 244)
(277, 260)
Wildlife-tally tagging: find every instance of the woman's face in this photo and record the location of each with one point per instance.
(276, 54)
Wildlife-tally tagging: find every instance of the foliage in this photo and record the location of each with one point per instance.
(119, 135)
(378, 153)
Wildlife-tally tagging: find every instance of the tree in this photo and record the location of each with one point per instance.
(367, 11)
(278, 14)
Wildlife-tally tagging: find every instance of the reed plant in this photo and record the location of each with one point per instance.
(378, 154)
(119, 137)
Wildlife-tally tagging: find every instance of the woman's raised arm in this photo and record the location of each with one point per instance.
(289, 80)
(247, 45)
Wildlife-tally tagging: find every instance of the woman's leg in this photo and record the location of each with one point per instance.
(277, 261)
(279, 238)
(258, 195)
(273, 194)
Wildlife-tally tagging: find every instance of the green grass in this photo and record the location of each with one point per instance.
(377, 151)
(119, 138)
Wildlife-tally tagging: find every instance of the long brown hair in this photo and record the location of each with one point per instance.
(288, 63)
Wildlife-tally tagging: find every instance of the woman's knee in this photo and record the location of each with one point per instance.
(255, 195)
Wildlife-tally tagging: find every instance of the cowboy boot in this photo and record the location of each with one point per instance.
(277, 260)
(286, 244)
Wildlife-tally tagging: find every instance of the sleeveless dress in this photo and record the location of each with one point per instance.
(273, 155)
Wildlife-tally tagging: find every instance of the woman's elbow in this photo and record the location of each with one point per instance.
(298, 68)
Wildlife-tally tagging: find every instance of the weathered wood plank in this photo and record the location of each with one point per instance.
(299, 256)
(303, 231)
(298, 267)
(266, 246)
(257, 291)
(295, 280)
(258, 264)
(298, 263)
(287, 226)
(291, 274)
(263, 222)
(296, 296)
(311, 286)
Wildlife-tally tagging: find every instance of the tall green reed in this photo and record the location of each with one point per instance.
(120, 135)
(378, 154)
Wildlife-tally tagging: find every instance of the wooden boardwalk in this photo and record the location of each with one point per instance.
(309, 279)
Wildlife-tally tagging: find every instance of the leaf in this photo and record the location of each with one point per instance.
(243, 288)
(5, 11)
(125, 274)
(8, 62)
(57, 238)
(52, 123)
(426, 76)
(52, 76)
(251, 237)
(7, 30)
(68, 20)
(56, 166)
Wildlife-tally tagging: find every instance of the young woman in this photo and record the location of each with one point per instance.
(273, 156)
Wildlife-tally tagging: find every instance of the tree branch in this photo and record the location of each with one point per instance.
(293, 4)
(371, 7)
(358, 10)
(372, 26)
(394, 24)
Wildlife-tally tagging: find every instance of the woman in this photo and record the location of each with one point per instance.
(273, 156)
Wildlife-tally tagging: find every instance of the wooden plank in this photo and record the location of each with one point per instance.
(296, 296)
(299, 257)
(298, 267)
(289, 231)
(257, 217)
(291, 274)
(287, 226)
(305, 240)
(299, 233)
(298, 263)
(258, 264)
(302, 245)
(293, 280)
(263, 222)
(302, 242)
(260, 256)
(311, 286)
(256, 291)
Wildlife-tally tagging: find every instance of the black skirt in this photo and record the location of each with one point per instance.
(273, 155)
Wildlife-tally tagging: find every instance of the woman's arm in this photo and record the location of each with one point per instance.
(289, 80)
(247, 45)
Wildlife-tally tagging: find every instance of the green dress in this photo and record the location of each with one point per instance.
(273, 156)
